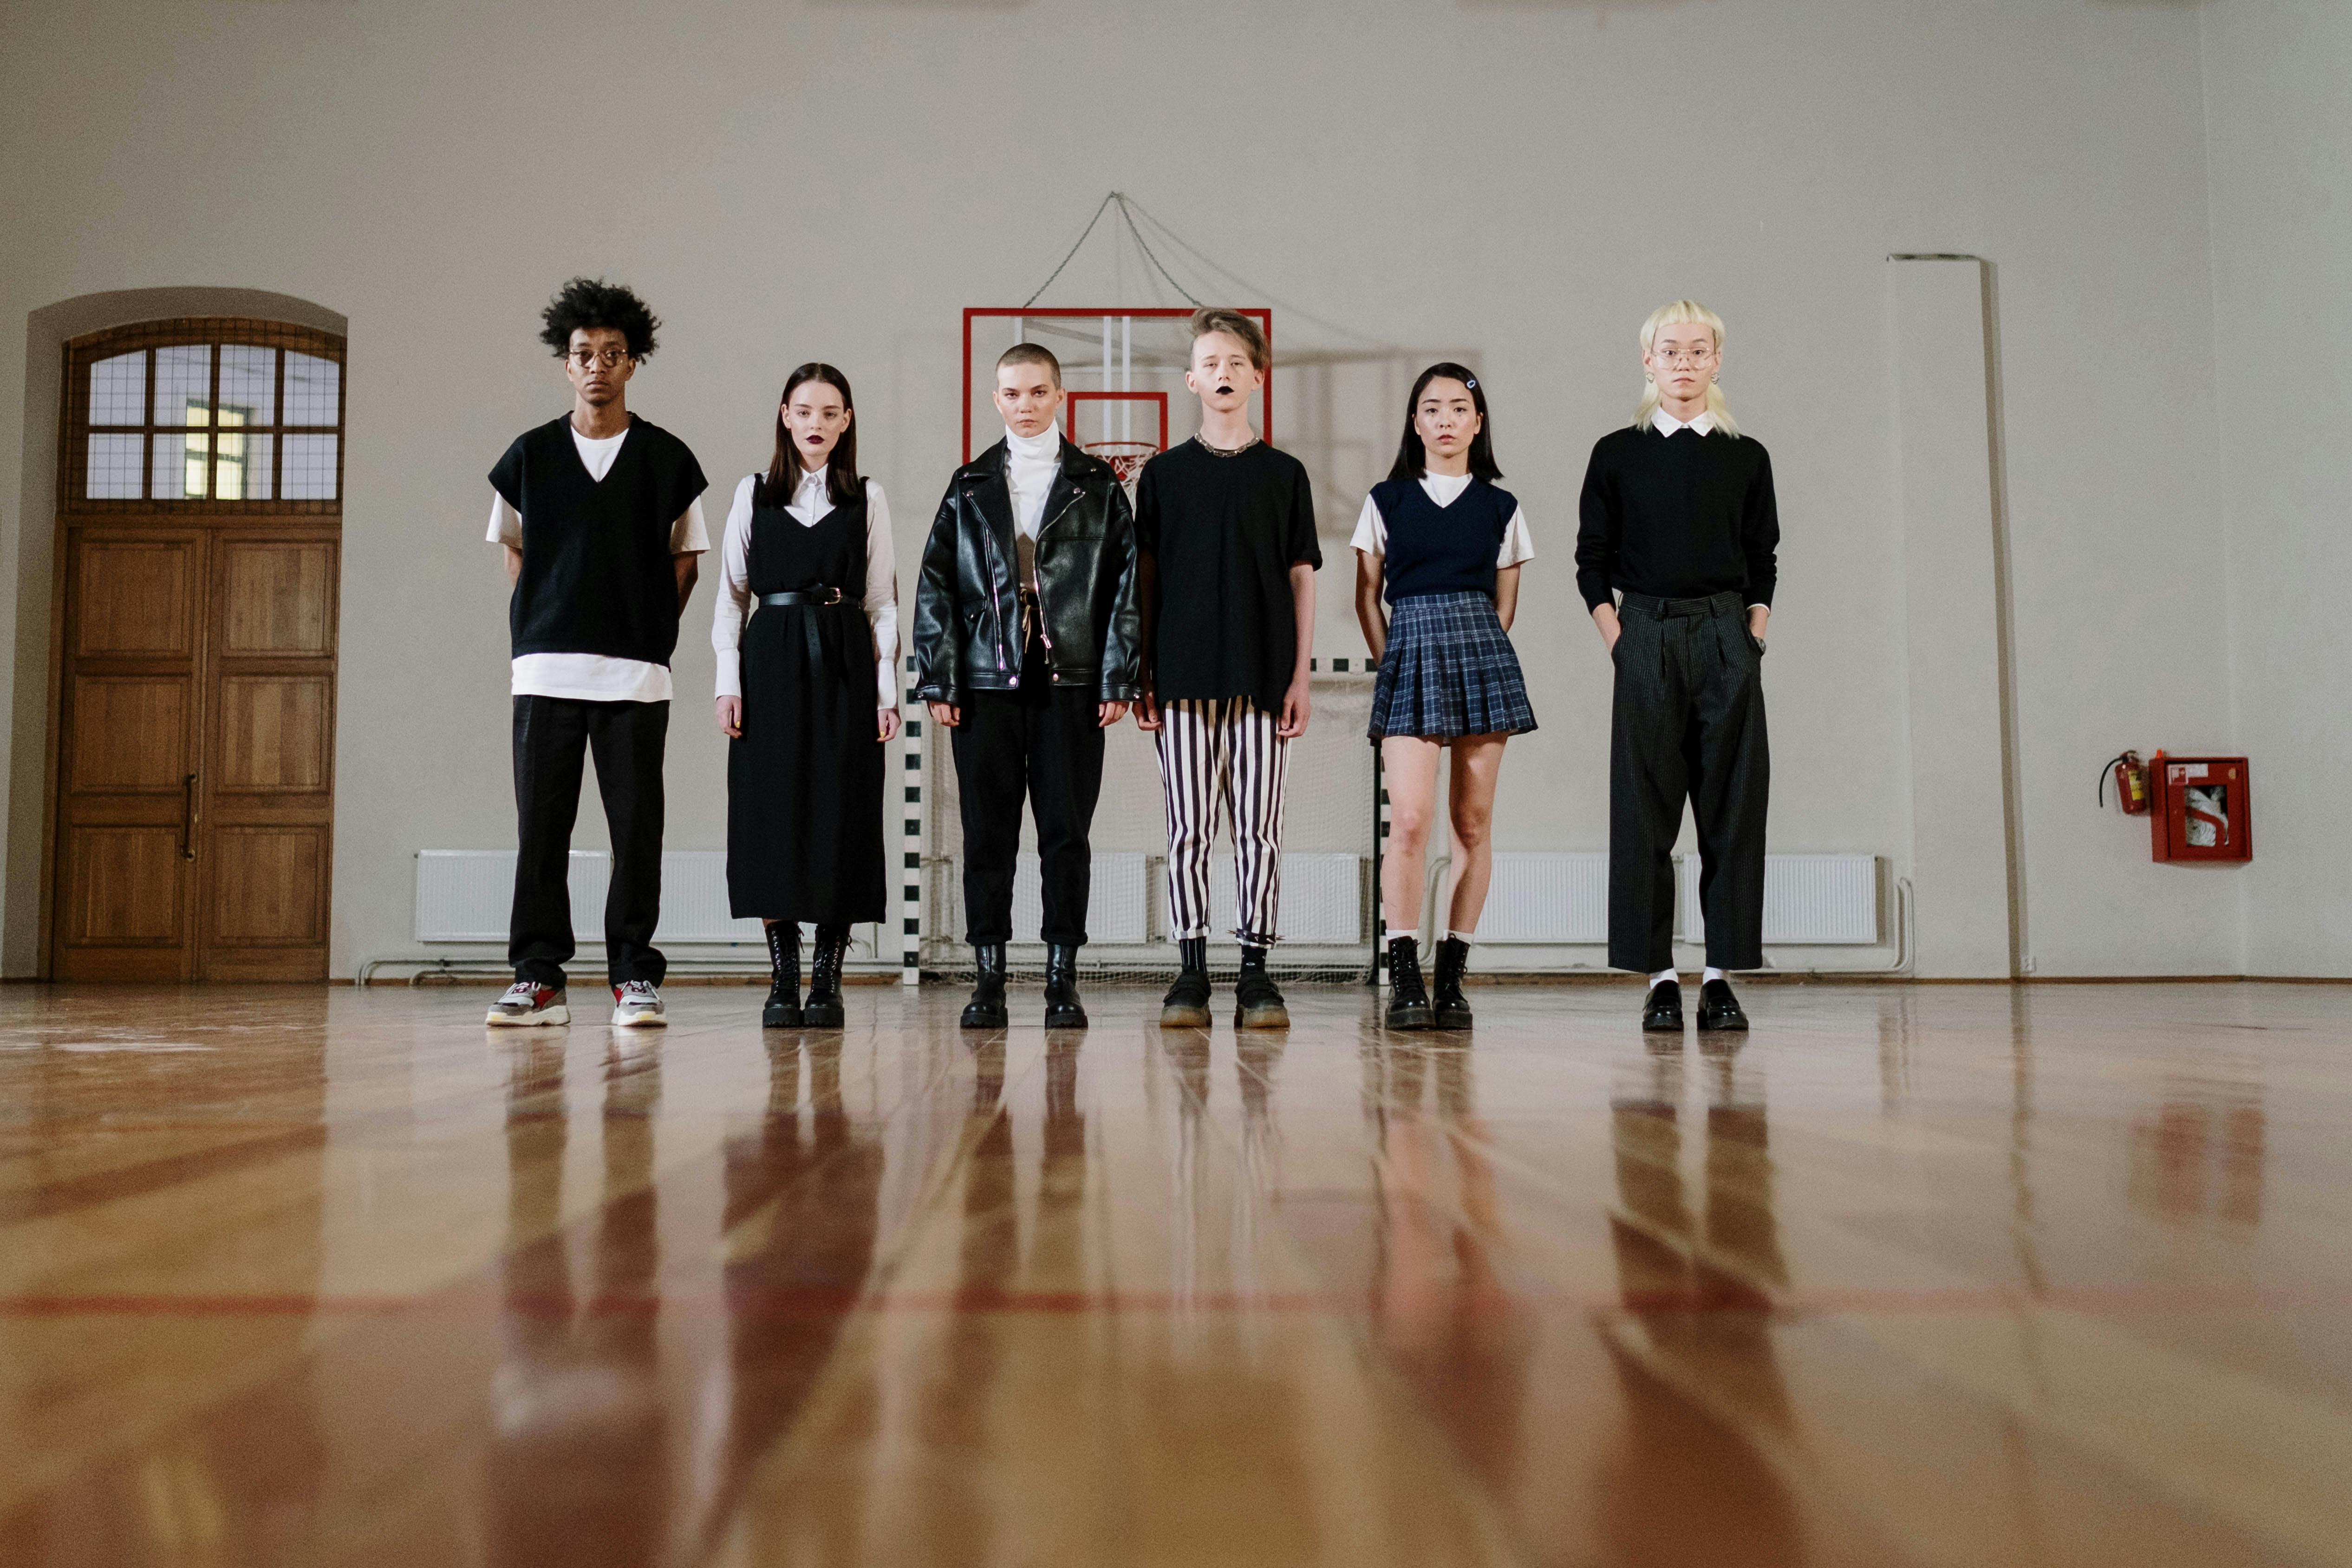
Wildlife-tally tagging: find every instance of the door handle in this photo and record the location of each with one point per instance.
(188, 820)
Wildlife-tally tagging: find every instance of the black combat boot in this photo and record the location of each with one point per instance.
(1408, 997)
(1063, 1008)
(783, 1008)
(1257, 1000)
(1453, 963)
(1186, 1004)
(822, 1009)
(986, 1008)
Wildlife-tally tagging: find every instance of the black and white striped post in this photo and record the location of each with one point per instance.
(910, 908)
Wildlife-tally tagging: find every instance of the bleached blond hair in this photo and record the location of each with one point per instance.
(1682, 313)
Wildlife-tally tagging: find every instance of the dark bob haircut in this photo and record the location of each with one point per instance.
(1413, 460)
(841, 480)
(593, 302)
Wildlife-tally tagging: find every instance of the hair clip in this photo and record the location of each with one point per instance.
(1471, 382)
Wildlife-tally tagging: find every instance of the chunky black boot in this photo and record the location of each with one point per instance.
(1408, 998)
(1452, 1008)
(783, 1008)
(1186, 1004)
(1257, 1000)
(822, 1009)
(1063, 1008)
(986, 1008)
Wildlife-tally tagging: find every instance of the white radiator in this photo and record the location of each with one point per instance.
(1543, 895)
(1322, 898)
(465, 895)
(1809, 900)
(1562, 897)
(1118, 898)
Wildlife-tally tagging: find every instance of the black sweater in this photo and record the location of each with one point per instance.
(1678, 517)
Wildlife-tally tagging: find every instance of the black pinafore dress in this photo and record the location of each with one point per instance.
(804, 779)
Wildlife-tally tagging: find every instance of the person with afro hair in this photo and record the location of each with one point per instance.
(599, 513)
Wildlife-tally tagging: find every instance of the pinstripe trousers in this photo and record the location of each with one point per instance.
(1222, 760)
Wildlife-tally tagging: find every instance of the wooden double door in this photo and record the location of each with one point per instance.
(196, 763)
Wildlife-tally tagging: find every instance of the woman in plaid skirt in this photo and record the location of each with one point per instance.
(1444, 544)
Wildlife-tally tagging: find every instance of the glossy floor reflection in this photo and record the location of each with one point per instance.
(1932, 1275)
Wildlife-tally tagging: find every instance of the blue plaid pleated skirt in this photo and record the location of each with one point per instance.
(1449, 670)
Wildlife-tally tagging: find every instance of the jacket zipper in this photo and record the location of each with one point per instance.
(1044, 631)
(995, 604)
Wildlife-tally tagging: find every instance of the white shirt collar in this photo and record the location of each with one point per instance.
(1043, 447)
(812, 479)
(1666, 423)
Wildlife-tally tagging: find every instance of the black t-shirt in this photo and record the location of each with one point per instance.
(1678, 517)
(1224, 532)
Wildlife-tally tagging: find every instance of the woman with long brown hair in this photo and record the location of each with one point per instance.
(808, 636)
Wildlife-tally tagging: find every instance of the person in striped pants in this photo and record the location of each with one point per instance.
(1224, 530)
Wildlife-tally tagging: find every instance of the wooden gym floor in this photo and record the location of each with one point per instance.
(1918, 1275)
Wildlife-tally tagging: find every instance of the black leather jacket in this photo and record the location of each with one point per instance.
(968, 603)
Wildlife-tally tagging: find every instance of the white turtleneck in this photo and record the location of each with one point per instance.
(1030, 463)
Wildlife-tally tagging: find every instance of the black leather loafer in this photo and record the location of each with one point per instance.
(1718, 1009)
(1663, 1012)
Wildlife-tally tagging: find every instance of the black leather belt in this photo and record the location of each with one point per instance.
(805, 596)
(1731, 600)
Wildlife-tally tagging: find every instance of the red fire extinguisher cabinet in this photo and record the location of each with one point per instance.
(2203, 810)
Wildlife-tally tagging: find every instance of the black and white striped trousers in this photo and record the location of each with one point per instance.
(1222, 760)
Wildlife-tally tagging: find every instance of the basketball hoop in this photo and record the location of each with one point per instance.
(1126, 458)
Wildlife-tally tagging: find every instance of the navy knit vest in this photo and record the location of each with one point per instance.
(1441, 549)
(597, 573)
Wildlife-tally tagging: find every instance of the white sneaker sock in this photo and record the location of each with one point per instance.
(1661, 977)
(1465, 937)
(1712, 973)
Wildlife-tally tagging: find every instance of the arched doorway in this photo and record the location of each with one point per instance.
(199, 540)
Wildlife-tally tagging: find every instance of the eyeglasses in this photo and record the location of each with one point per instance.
(1682, 356)
(589, 359)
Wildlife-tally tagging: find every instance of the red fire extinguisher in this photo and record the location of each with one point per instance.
(2131, 783)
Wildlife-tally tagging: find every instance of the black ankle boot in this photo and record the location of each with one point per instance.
(1063, 1008)
(1453, 1009)
(822, 1009)
(986, 1008)
(1186, 1006)
(783, 1008)
(1408, 997)
(1257, 1000)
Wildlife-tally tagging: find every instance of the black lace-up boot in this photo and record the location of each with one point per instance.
(783, 1008)
(1257, 1000)
(1452, 1008)
(986, 1008)
(1408, 997)
(1063, 1008)
(822, 1009)
(1186, 1006)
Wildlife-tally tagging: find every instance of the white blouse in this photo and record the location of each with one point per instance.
(1372, 529)
(810, 504)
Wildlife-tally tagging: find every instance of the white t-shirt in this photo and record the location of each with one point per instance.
(593, 677)
(1372, 529)
(811, 504)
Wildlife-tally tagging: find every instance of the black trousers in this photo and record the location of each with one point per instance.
(1042, 744)
(1687, 724)
(551, 735)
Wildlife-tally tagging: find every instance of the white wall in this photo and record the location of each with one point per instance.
(786, 181)
(2281, 145)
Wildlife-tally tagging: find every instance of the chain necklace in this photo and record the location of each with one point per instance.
(1226, 451)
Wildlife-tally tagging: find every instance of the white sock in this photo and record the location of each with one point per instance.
(1712, 973)
(1661, 977)
(1465, 937)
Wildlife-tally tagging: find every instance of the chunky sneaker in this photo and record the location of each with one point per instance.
(1186, 1004)
(525, 1004)
(638, 1004)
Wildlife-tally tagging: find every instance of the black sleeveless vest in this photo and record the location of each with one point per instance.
(596, 574)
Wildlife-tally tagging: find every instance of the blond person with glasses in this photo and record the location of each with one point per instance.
(1677, 558)
(600, 515)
